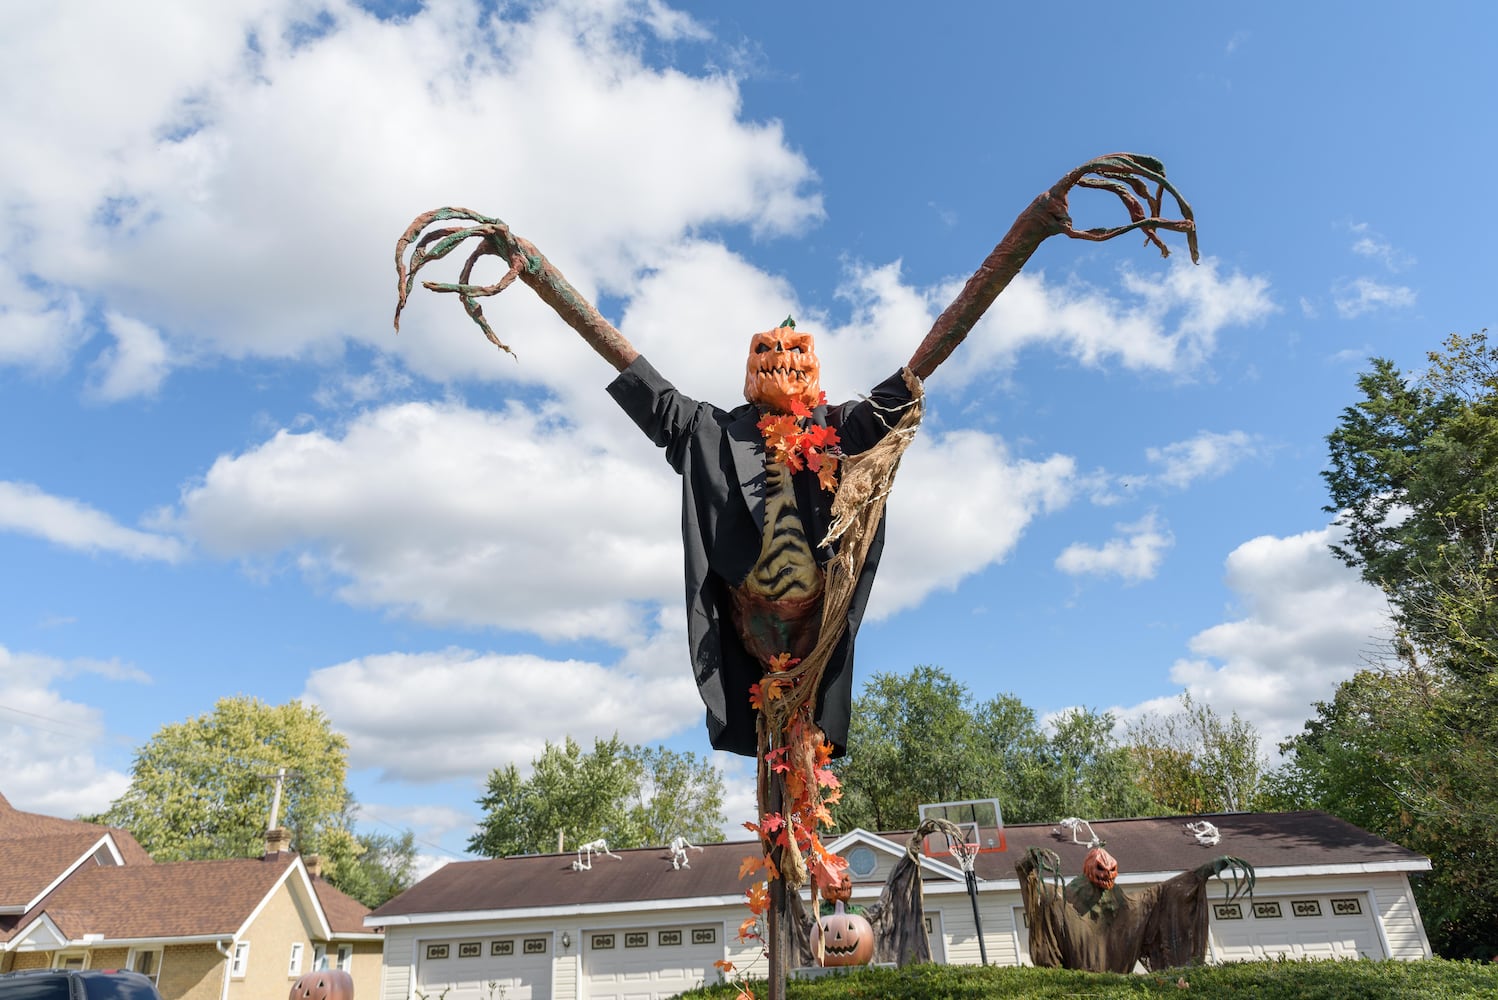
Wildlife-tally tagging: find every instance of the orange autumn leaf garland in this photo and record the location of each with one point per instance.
(799, 447)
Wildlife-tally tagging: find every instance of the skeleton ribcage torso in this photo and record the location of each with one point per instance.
(787, 570)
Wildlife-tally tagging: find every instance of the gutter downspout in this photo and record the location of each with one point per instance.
(228, 954)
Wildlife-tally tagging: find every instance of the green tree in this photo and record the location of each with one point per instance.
(1088, 773)
(913, 738)
(375, 867)
(1193, 760)
(627, 796)
(1413, 479)
(203, 788)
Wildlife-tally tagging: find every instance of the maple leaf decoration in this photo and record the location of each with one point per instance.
(799, 447)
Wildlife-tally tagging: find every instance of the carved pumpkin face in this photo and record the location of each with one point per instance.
(326, 984)
(1100, 868)
(847, 939)
(782, 369)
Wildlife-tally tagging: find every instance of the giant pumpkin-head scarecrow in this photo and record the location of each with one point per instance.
(783, 370)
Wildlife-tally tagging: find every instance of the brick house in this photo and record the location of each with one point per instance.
(79, 895)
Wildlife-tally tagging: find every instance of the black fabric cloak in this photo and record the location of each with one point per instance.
(720, 455)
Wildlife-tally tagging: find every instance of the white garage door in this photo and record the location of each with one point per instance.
(1311, 926)
(649, 963)
(515, 967)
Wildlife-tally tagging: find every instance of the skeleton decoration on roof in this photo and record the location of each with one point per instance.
(783, 497)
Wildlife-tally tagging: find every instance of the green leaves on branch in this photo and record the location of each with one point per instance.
(630, 796)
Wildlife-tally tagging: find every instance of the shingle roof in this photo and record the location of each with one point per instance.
(171, 899)
(18, 825)
(1156, 845)
(345, 913)
(29, 865)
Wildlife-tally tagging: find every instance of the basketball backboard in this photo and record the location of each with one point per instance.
(980, 820)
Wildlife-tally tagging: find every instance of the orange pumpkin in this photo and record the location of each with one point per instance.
(325, 984)
(1100, 868)
(847, 938)
(783, 369)
(842, 891)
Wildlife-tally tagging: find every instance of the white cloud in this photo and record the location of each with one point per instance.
(1308, 623)
(24, 508)
(424, 717)
(1364, 295)
(986, 497)
(47, 742)
(1368, 243)
(134, 366)
(1134, 556)
(456, 516)
(1208, 454)
(229, 168)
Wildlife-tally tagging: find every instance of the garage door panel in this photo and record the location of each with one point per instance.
(516, 968)
(1296, 927)
(649, 963)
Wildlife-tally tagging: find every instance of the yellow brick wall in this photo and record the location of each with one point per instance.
(282, 921)
(191, 972)
(108, 958)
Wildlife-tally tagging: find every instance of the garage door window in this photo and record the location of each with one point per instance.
(1306, 907)
(1267, 911)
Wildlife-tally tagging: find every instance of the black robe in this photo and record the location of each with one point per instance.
(720, 455)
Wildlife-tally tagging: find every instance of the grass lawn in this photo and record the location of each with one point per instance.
(1307, 980)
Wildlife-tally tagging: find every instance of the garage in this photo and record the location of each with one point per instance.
(515, 967)
(649, 963)
(1309, 926)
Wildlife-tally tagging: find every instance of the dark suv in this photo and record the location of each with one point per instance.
(76, 984)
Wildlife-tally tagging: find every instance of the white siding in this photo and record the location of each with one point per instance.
(1400, 920)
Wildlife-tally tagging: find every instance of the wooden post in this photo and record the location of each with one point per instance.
(771, 800)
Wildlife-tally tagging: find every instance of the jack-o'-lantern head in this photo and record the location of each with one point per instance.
(847, 939)
(1100, 868)
(783, 369)
(324, 984)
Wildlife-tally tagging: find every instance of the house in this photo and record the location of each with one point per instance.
(642, 925)
(79, 895)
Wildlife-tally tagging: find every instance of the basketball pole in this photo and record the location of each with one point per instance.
(972, 894)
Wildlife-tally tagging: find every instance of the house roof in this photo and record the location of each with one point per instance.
(1157, 847)
(18, 825)
(28, 865)
(345, 914)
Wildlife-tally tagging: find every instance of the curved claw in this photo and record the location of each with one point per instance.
(1243, 875)
(1125, 175)
(525, 262)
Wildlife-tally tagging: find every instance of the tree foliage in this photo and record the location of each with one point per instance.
(204, 788)
(1193, 760)
(920, 738)
(629, 796)
(1409, 752)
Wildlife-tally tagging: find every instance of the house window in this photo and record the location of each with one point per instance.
(241, 959)
(319, 957)
(71, 960)
(294, 967)
(147, 962)
(345, 956)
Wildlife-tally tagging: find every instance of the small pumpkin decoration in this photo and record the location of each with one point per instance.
(1100, 868)
(841, 891)
(324, 984)
(847, 938)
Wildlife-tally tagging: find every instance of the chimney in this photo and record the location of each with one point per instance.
(314, 865)
(277, 839)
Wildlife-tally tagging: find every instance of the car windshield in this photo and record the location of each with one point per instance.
(34, 988)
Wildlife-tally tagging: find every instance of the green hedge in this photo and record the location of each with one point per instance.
(1283, 980)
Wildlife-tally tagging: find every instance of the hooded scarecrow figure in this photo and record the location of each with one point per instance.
(783, 498)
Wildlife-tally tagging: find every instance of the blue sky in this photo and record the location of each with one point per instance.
(223, 473)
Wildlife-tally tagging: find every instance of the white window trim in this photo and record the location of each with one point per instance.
(134, 957)
(346, 957)
(60, 960)
(241, 960)
(319, 957)
(294, 965)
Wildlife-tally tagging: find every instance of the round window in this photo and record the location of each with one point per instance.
(862, 861)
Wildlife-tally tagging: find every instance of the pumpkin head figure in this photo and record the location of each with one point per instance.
(783, 369)
(847, 938)
(1100, 868)
(324, 984)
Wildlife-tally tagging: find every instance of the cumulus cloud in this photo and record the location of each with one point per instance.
(1364, 295)
(47, 742)
(454, 516)
(1133, 556)
(1208, 454)
(26, 509)
(1308, 623)
(134, 366)
(215, 176)
(1367, 242)
(425, 717)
